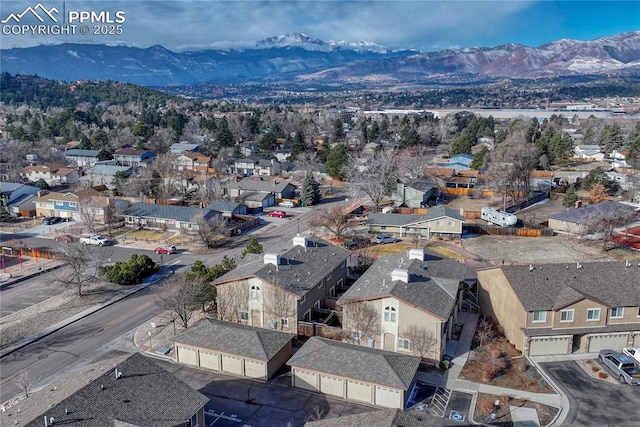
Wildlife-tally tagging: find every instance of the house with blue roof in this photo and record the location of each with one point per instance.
(82, 158)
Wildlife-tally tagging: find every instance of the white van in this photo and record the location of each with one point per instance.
(287, 204)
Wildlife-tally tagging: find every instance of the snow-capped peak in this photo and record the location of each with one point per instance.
(309, 43)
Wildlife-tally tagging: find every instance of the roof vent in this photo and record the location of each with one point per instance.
(271, 258)
(416, 253)
(300, 241)
(400, 274)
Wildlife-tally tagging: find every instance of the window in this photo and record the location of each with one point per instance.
(371, 343)
(438, 222)
(284, 322)
(317, 305)
(539, 316)
(389, 314)
(450, 223)
(566, 315)
(593, 314)
(73, 204)
(303, 298)
(254, 294)
(356, 335)
(244, 315)
(404, 344)
(617, 312)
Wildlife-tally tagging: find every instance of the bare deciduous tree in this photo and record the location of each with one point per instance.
(423, 341)
(485, 332)
(180, 297)
(602, 220)
(82, 262)
(316, 414)
(24, 382)
(360, 320)
(412, 162)
(373, 176)
(232, 298)
(333, 219)
(210, 230)
(509, 167)
(279, 304)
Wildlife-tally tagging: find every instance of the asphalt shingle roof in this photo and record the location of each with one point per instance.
(267, 185)
(223, 206)
(583, 214)
(300, 268)
(77, 152)
(145, 395)
(178, 213)
(235, 338)
(433, 283)
(393, 219)
(357, 362)
(384, 418)
(554, 286)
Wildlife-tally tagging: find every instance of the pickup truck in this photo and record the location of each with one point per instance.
(94, 240)
(633, 352)
(621, 366)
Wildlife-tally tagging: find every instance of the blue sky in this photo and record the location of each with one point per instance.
(425, 25)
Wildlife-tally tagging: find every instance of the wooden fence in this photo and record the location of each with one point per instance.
(527, 231)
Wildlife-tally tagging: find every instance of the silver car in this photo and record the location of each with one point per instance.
(621, 366)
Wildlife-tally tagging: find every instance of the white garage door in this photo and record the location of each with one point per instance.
(388, 398)
(255, 369)
(304, 380)
(187, 356)
(359, 391)
(607, 342)
(231, 364)
(332, 385)
(549, 345)
(636, 340)
(210, 360)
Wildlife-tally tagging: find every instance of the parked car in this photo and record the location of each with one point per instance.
(633, 352)
(287, 204)
(51, 220)
(621, 366)
(65, 238)
(167, 249)
(95, 240)
(381, 239)
(278, 214)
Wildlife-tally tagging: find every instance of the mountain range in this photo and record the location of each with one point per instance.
(299, 58)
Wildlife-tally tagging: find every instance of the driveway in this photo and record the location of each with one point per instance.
(594, 402)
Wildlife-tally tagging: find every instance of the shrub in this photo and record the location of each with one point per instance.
(603, 375)
(595, 368)
(486, 408)
(504, 398)
(488, 372)
(129, 272)
(445, 364)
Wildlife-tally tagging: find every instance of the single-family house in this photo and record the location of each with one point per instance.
(104, 174)
(413, 295)
(82, 158)
(619, 159)
(564, 307)
(228, 209)
(415, 193)
(133, 158)
(166, 217)
(194, 162)
(52, 176)
(135, 392)
(233, 348)
(284, 285)
(64, 205)
(258, 192)
(182, 147)
(254, 166)
(354, 373)
(13, 194)
(575, 221)
(460, 162)
(591, 153)
(437, 222)
(541, 180)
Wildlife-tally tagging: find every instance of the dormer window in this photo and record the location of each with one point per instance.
(390, 314)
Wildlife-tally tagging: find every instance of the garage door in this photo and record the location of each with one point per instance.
(607, 342)
(332, 385)
(231, 364)
(209, 360)
(388, 398)
(255, 369)
(636, 340)
(549, 345)
(359, 391)
(187, 356)
(305, 380)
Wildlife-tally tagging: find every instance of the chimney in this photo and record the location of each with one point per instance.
(300, 241)
(271, 258)
(400, 274)
(416, 253)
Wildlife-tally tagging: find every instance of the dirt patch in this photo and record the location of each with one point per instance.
(498, 363)
(592, 368)
(485, 406)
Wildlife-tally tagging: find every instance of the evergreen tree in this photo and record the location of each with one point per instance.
(570, 197)
(336, 159)
(478, 158)
(253, 247)
(42, 184)
(224, 137)
(310, 191)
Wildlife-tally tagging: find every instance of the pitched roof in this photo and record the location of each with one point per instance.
(300, 268)
(77, 152)
(554, 286)
(108, 170)
(361, 363)
(127, 398)
(433, 282)
(269, 185)
(584, 213)
(133, 152)
(178, 213)
(423, 185)
(384, 418)
(235, 338)
(66, 197)
(393, 219)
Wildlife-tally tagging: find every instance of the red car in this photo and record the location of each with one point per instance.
(65, 238)
(279, 214)
(170, 249)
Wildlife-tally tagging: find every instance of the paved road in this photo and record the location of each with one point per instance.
(593, 402)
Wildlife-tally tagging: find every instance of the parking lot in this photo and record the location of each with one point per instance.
(594, 402)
